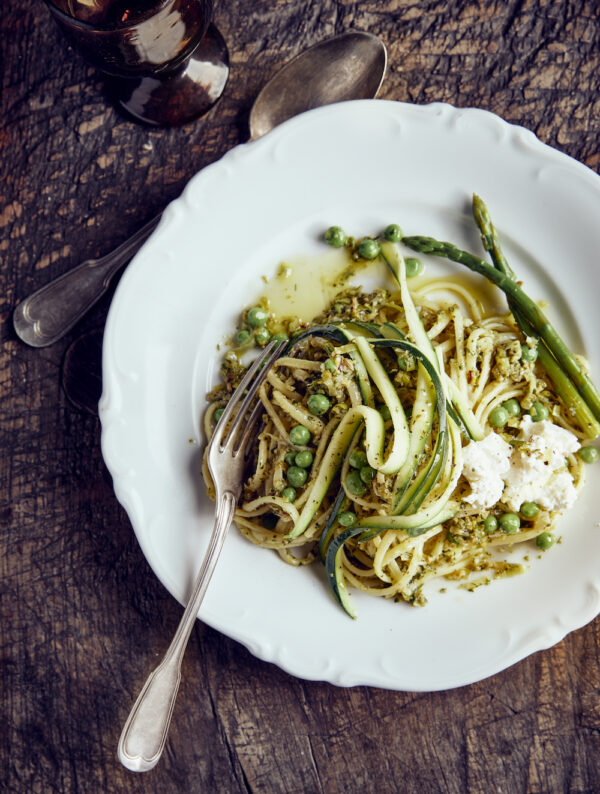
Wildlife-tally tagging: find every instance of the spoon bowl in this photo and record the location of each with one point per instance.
(349, 66)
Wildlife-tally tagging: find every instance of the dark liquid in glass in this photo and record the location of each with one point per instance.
(130, 37)
(109, 13)
(167, 64)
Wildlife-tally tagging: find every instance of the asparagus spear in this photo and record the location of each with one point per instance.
(528, 309)
(561, 382)
(489, 237)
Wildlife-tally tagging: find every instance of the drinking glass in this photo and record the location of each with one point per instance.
(165, 62)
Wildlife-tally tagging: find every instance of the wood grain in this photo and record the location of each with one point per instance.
(83, 617)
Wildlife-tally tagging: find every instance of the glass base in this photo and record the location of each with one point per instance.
(82, 371)
(178, 97)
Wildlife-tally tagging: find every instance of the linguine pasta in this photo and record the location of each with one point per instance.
(383, 529)
(481, 355)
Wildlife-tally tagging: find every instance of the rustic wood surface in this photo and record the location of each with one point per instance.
(83, 616)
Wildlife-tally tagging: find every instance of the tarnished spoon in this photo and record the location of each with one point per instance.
(349, 66)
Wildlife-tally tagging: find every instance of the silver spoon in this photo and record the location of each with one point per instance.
(349, 66)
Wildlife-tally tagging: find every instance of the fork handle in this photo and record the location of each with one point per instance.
(49, 312)
(145, 732)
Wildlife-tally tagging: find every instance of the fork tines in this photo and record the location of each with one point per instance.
(246, 393)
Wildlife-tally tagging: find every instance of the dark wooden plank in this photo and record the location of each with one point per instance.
(83, 617)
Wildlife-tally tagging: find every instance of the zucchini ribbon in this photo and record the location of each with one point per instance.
(421, 495)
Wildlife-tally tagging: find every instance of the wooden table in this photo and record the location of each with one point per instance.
(83, 616)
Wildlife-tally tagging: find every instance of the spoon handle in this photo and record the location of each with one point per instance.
(145, 733)
(47, 314)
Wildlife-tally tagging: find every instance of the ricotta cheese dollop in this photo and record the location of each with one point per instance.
(535, 470)
(485, 463)
(538, 467)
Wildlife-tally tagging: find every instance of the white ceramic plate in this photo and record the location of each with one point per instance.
(361, 165)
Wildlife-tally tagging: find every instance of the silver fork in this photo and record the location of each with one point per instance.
(145, 732)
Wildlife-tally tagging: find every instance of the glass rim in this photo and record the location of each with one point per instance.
(92, 27)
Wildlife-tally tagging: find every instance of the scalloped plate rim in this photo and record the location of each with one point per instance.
(567, 621)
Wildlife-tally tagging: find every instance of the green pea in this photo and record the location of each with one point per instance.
(385, 412)
(393, 233)
(354, 484)
(262, 336)
(304, 458)
(347, 518)
(300, 435)
(357, 459)
(528, 354)
(588, 454)
(290, 458)
(318, 404)
(509, 523)
(335, 236)
(296, 476)
(280, 337)
(545, 540)
(498, 417)
(330, 365)
(289, 493)
(490, 524)
(368, 248)
(530, 509)
(218, 414)
(242, 337)
(257, 317)
(414, 266)
(366, 474)
(539, 412)
(512, 407)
